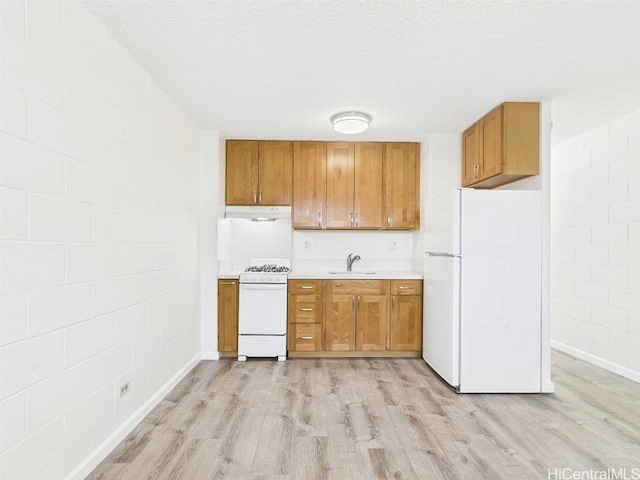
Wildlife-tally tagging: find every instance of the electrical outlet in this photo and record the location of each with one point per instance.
(393, 245)
(124, 389)
(307, 245)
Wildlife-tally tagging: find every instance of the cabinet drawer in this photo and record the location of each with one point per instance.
(355, 287)
(305, 286)
(306, 308)
(305, 337)
(406, 287)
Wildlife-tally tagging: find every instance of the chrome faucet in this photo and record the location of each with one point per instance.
(350, 260)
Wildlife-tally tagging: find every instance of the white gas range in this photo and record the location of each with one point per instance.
(262, 315)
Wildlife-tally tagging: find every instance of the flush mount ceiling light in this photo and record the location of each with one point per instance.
(350, 122)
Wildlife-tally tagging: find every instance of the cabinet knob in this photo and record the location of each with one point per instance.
(388, 219)
(306, 337)
(306, 309)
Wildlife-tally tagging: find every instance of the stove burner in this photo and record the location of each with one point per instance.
(269, 268)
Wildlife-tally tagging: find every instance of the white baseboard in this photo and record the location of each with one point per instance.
(600, 362)
(100, 453)
(211, 355)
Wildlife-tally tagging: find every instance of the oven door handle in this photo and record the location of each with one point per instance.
(263, 286)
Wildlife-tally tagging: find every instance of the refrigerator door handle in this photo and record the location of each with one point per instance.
(442, 254)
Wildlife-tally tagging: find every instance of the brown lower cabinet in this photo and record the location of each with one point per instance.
(228, 316)
(306, 315)
(338, 317)
(405, 321)
(355, 318)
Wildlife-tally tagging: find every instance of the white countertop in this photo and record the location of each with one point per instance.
(225, 275)
(325, 275)
(355, 275)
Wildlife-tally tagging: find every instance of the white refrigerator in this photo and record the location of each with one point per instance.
(482, 290)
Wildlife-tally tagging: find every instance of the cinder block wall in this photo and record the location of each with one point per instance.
(99, 211)
(596, 245)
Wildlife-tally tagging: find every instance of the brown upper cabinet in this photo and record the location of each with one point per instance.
(354, 185)
(402, 185)
(330, 185)
(503, 146)
(340, 173)
(258, 172)
(309, 184)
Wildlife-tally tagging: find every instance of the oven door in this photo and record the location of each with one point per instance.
(262, 309)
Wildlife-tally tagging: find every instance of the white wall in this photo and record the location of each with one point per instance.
(596, 245)
(211, 207)
(442, 164)
(242, 239)
(99, 190)
(328, 250)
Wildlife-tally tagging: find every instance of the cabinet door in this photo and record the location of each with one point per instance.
(242, 172)
(405, 332)
(274, 172)
(227, 315)
(340, 322)
(371, 322)
(339, 185)
(470, 161)
(401, 192)
(309, 184)
(368, 196)
(490, 141)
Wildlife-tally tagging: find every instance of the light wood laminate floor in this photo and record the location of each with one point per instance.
(378, 419)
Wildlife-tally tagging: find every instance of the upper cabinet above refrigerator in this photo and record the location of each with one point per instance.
(503, 146)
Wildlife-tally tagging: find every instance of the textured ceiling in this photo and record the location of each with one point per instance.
(280, 69)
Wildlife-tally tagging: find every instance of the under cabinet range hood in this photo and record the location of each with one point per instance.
(257, 213)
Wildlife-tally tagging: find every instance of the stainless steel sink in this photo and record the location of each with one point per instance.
(344, 272)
